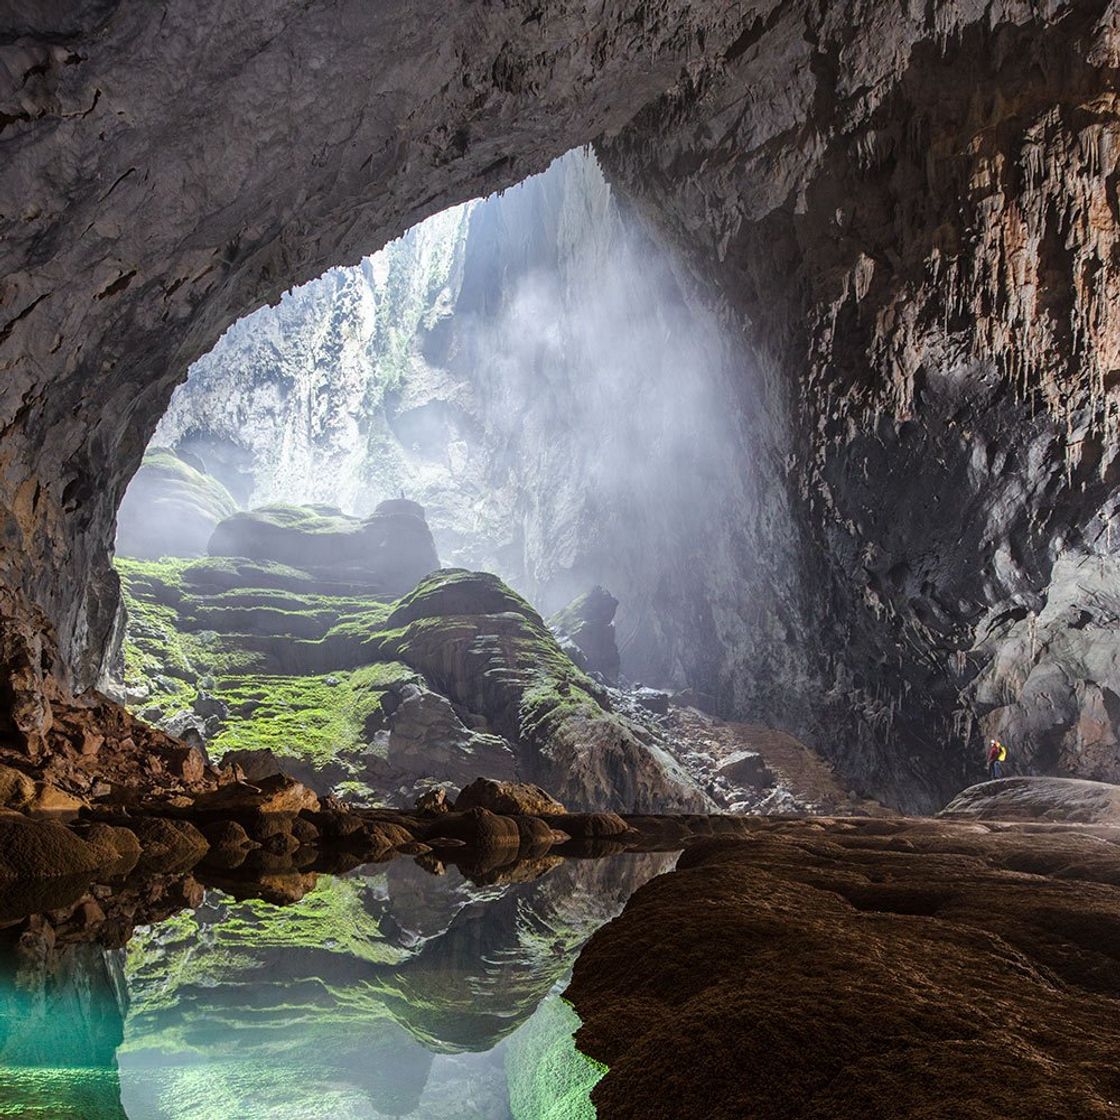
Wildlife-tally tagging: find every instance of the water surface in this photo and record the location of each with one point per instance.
(386, 992)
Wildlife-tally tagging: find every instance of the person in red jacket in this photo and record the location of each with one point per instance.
(997, 756)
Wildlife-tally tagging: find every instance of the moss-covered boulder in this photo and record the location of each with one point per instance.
(170, 508)
(485, 648)
(389, 550)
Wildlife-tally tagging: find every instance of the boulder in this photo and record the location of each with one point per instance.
(31, 849)
(588, 826)
(510, 798)
(117, 845)
(390, 550)
(746, 768)
(167, 843)
(208, 707)
(1038, 799)
(50, 801)
(16, 789)
(276, 793)
(653, 700)
(187, 763)
(255, 765)
(187, 726)
(478, 829)
(224, 835)
(433, 801)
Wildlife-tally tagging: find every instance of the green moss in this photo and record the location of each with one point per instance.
(307, 519)
(183, 485)
(304, 717)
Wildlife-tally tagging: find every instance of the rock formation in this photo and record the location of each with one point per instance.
(903, 212)
(858, 968)
(171, 508)
(587, 622)
(1038, 799)
(354, 692)
(389, 551)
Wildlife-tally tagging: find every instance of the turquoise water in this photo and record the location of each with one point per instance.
(388, 992)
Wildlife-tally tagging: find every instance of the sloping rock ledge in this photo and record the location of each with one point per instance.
(855, 968)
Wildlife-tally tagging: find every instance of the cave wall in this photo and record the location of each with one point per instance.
(170, 166)
(919, 234)
(909, 211)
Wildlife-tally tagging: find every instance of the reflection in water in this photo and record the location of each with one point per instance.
(383, 993)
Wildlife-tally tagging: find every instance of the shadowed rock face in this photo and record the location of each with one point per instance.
(905, 207)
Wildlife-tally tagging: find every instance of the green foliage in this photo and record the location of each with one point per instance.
(304, 717)
(307, 519)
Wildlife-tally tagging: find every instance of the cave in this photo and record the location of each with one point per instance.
(750, 453)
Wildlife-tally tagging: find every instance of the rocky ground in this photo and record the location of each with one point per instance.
(745, 768)
(836, 968)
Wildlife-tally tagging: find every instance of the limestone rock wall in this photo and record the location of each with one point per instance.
(912, 212)
(907, 210)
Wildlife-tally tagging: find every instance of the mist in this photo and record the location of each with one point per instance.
(529, 367)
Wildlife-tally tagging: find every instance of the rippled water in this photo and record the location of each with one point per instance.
(388, 992)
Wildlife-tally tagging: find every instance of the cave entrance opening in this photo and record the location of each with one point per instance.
(529, 369)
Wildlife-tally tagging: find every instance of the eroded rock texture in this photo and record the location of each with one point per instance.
(907, 210)
(886, 968)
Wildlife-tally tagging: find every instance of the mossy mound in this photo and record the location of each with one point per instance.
(170, 509)
(489, 651)
(319, 672)
(388, 551)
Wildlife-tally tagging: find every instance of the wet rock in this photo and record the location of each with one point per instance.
(226, 834)
(305, 831)
(273, 794)
(480, 830)
(168, 844)
(50, 801)
(583, 826)
(510, 798)
(16, 789)
(118, 845)
(32, 849)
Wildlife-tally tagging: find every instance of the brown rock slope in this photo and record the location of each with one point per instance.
(868, 968)
(1038, 799)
